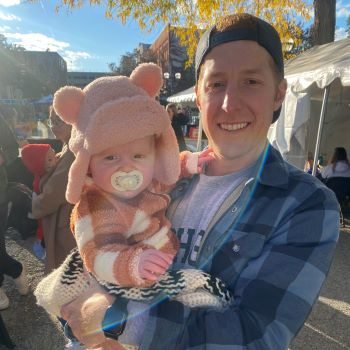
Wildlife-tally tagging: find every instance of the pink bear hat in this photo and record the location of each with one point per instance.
(112, 111)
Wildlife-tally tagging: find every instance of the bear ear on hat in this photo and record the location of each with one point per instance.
(148, 76)
(67, 102)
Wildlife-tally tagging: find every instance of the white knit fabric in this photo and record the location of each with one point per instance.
(63, 285)
(194, 288)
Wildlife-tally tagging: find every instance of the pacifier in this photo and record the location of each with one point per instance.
(127, 181)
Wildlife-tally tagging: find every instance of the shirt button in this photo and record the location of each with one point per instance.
(234, 209)
(236, 248)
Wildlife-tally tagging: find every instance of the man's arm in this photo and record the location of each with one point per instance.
(274, 293)
(85, 315)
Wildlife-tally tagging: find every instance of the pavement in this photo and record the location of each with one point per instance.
(327, 327)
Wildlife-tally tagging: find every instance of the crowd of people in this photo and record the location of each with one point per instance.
(232, 255)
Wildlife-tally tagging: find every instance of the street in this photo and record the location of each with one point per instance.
(326, 329)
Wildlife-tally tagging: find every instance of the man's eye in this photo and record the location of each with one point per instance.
(112, 158)
(252, 82)
(215, 85)
(139, 156)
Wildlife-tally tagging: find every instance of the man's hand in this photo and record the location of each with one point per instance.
(153, 263)
(85, 315)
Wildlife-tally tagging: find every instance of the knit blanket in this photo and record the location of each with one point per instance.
(194, 288)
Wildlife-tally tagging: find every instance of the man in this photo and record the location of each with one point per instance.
(8, 265)
(265, 228)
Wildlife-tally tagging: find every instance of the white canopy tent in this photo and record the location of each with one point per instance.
(315, 115)
(186, 96)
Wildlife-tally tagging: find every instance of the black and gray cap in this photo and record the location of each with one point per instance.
(263, 33)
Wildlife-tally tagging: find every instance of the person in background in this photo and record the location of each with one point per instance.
(8, 265)
(51, 206)
(39, 159)
(53, 209)
(264, 227)
(177, 121)
(338, 166)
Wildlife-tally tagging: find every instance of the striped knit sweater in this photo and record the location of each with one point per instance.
(111, 233)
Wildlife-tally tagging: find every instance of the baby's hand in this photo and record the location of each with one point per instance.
(153, 263)
(204, 158)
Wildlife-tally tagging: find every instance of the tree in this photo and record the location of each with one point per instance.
(348, 25)
(323, 29)
(126, 65)
(9, 46)
(190, 16)
(9, 70)
(130, 60)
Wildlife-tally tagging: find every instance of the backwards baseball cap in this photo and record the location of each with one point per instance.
(256, 30)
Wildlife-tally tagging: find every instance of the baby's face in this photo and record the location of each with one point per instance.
(125, 170)
(50, 160)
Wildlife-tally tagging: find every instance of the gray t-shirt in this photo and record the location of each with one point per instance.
(195, 211)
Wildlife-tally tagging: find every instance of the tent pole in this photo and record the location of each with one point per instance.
(199, 138)
(320, 127)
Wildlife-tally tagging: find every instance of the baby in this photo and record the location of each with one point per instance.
(39, 159)
(126, 158)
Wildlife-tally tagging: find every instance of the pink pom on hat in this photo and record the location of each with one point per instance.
(116, 110)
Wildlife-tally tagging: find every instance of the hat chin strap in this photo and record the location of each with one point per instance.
(127, 181)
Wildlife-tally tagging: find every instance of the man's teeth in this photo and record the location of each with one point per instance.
(232, 127)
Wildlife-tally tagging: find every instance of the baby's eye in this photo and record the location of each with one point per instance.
(111, 158)
(139, 156)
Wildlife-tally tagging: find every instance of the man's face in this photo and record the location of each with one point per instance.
(237, 94)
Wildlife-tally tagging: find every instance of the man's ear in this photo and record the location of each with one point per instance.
(280, 94)
(196, 90)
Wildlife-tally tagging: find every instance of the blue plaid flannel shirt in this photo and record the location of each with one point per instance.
(273, 248)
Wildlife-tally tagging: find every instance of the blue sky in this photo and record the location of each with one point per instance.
(85, 38)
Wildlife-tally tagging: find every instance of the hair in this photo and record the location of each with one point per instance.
(172, 107)
(242, 21)
(52, 112)
(339, 155)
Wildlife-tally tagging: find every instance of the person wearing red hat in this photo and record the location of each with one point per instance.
(39, 159)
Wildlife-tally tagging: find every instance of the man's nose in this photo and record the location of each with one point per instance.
(231, 99)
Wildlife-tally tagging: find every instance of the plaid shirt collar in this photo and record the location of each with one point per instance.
(271, 169)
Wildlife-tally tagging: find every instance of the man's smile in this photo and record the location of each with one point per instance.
(232, 126)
